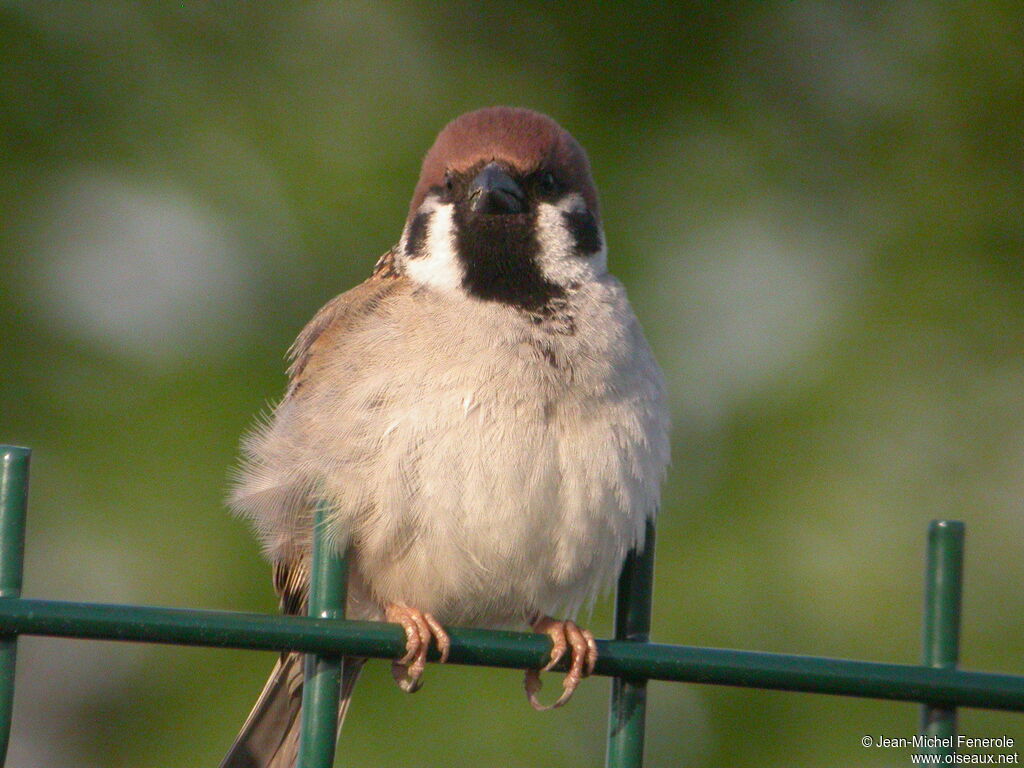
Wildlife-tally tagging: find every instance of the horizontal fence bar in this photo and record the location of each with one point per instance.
(516, 650)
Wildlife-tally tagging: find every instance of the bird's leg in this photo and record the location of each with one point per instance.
(419, 628)
(564, 635)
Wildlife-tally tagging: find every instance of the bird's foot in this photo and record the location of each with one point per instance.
(565, 635)
(419, 628)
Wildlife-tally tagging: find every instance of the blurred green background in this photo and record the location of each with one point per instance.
(817, 209)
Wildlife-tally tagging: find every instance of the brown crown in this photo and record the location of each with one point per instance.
(525, 140)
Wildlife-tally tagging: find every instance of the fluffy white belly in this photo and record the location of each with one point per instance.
(505, 512)
(490, 504)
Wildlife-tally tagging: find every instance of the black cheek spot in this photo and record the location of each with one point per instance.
(417, 235)
(584, 230)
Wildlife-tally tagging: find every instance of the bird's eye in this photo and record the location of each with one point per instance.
(548, 183)
(449, 181)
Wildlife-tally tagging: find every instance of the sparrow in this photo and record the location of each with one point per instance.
(483, 417)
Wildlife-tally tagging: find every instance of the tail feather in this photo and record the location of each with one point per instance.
(270, 736)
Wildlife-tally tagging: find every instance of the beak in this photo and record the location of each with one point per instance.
(494, 191)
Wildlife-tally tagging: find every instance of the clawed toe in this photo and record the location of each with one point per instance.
(565, 635)
(419, 628)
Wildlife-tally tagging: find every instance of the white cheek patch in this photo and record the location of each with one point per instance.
(559, 260)
(436, 264)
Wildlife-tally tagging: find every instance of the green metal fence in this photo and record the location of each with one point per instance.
(629, 658)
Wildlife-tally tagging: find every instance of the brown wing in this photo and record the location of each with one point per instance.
(342, 312)
(328, 326)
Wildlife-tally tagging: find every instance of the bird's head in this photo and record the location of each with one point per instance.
(505, 210)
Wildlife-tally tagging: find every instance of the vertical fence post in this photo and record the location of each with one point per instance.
(628, 707)
(942, 601)
(13, 503)
(321, 688)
